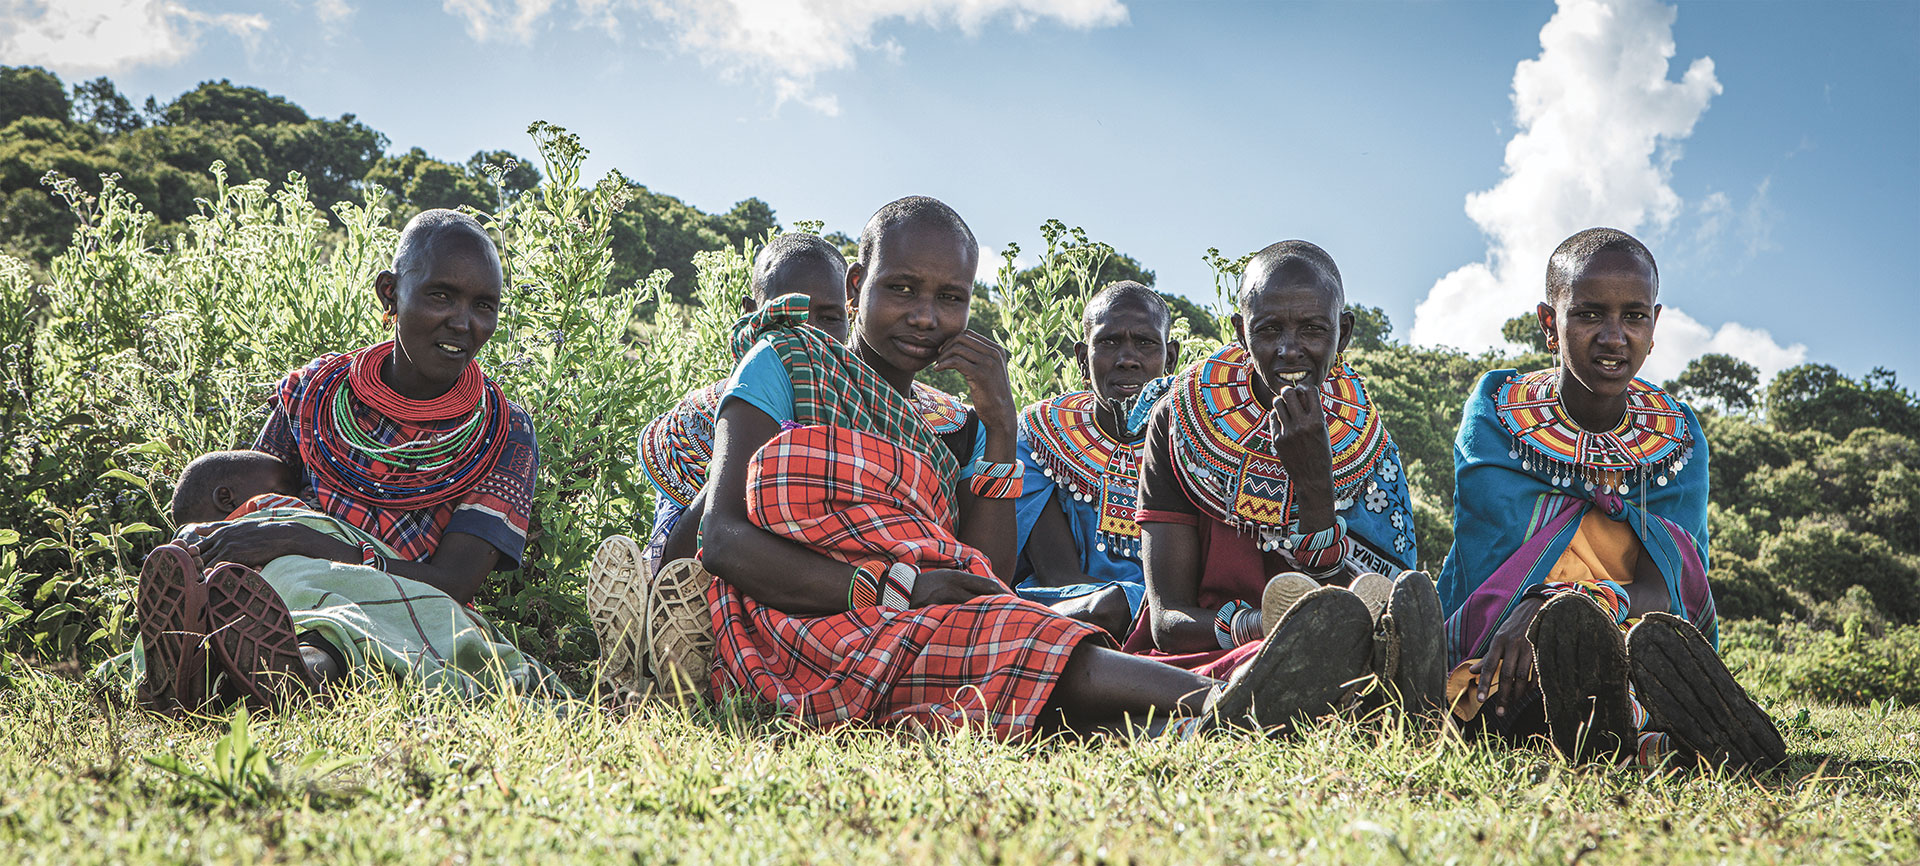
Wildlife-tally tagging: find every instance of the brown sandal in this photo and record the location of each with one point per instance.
(171, 608)
(253, 640)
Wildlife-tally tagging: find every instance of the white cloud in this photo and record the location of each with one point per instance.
(786, 43)
(332, 13)
(515, 20)
(1599, 126)
(92, 37)
(1680, 338)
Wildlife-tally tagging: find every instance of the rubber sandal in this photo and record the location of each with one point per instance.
(1282, 593)
(617, 605)
(171, 609)
(252, 638)
(1317, 652)
(1580, 661)
(1410, 654)
(679, 633)
(1691, 696)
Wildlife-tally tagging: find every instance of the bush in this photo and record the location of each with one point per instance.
(1853, 665)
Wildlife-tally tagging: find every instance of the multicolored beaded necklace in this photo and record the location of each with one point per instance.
(1223, 445)
(1090, 464)
(1652, 442)
(431, 466)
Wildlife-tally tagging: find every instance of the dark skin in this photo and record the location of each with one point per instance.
(1601, 332)
(826, 289)
(913, 299)
(1127, 346)
(1294, 326)
(446, 309)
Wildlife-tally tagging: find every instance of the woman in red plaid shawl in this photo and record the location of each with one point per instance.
(853, 582)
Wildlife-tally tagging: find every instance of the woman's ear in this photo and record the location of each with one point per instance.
(387, 286)
(1544, 313)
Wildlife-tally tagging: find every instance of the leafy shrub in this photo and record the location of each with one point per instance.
(1853, 665)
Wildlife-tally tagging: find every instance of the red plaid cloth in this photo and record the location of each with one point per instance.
(857, 496)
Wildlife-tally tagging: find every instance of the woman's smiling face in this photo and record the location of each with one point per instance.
(446, 306)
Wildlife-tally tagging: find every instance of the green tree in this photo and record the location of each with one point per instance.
(225, 102)
(415, 182)
(1719, 380)
(99, 104)
(1819, 397)
(1371, 327)
(332, 155)
(748, 220)
(1199, 319)
(29, 91)
(1524, 331)
(517, 175)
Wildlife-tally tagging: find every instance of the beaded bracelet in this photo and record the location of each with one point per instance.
(996, 480)
(892, 588)
(1323, 550)
(371, 557)
(1237, 623)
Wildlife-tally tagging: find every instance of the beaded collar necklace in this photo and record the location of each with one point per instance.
(429, 468)
(1089, 464)
(1651, 442)
(1223, 450)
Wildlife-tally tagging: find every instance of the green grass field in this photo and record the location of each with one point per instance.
(391, 775)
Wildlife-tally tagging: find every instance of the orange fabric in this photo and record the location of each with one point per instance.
(1602, 549)
(1463, 690)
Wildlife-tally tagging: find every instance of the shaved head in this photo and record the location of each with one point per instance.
(1571, 257)
(1288, 261)
(912, 209)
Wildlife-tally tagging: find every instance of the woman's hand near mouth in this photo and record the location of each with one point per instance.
(1299, 430)
(983, 363)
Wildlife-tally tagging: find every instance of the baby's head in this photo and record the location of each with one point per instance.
(215, 484)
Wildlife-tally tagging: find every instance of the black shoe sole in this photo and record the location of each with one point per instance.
(1690, 694)
(1316, 652)
(1580, 661)
(1416, 665)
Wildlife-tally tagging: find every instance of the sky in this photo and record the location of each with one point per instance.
(1768, 153)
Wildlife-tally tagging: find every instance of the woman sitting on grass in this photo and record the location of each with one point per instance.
(406, 440)
(843, 591)
(1580, 509)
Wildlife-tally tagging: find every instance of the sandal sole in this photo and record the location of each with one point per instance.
(1282, 593)
(253, 638)
(1580, 662)
(1417, 664)
(679, 632)
(1689, 693)
(617, 605)
(1319, 649)
(170, 606)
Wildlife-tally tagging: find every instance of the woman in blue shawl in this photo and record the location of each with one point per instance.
(1580, 511)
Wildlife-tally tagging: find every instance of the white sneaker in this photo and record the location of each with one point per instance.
(679, 635)
(1282, 592)
(616, 602)
(1374, 589)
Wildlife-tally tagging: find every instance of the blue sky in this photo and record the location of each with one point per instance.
(1772, 162)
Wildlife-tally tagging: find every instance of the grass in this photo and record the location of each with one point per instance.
(396, 775)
